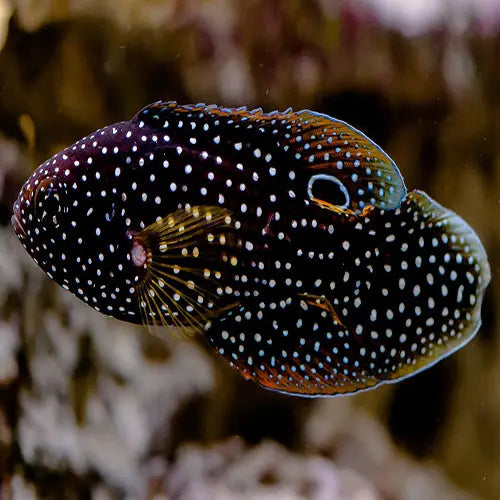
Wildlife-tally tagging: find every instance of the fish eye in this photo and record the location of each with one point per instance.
(329, 189)
(48, 200)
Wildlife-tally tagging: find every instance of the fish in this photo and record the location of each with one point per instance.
(287, 240)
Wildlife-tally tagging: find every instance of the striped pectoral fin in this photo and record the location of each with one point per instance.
(295, 345)
(184, 257)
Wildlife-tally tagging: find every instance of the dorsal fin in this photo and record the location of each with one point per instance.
(333, 147)
(313, 143)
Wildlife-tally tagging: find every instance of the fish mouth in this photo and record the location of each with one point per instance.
(18, 225)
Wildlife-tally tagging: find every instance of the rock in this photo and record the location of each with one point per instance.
(230, 470)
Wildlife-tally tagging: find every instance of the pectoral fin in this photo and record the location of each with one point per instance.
(186, 255)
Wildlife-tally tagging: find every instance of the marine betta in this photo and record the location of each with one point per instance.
(287, 238)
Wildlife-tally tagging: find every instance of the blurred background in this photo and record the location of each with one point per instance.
(94, 408)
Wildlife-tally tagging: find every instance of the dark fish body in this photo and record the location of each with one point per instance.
(288, 238)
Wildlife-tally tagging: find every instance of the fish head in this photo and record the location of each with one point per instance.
(40, 212)
(70, 218)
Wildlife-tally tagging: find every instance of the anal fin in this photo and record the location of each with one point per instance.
(297, 348)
